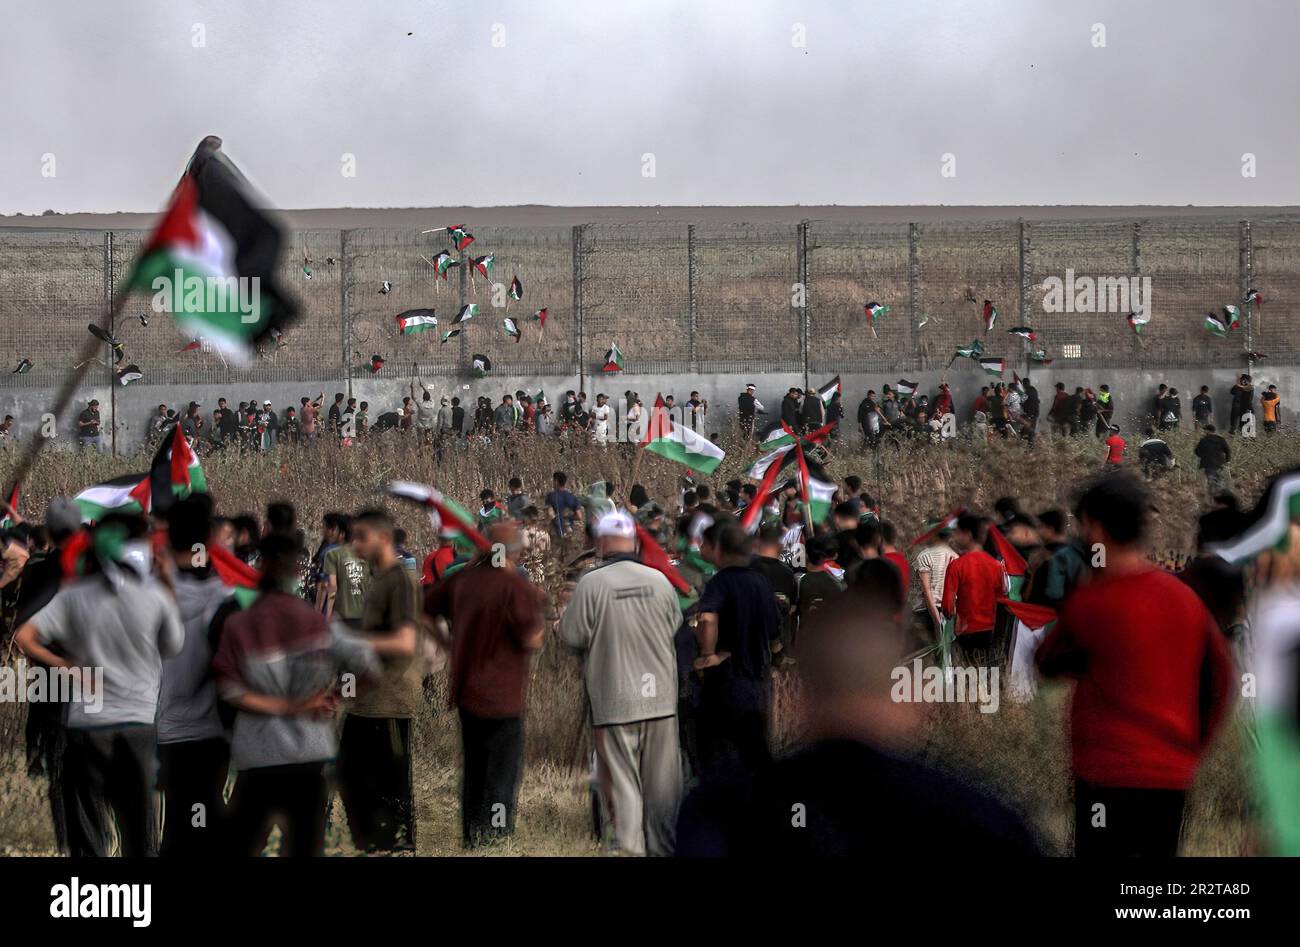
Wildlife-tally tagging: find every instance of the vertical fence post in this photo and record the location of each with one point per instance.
(108, 302)
(1025, 265)
(345, 307)
(463, 298)
(1135, 258)
(690, 295)
(579, 332)
(914, 277)
(805, 325)
(1246, 279)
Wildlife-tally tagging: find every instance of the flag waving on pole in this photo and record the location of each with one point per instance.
(213, 259)
(175, 472)
(679, 443)
(448, 517)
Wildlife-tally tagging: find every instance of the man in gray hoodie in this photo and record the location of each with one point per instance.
(622, 619)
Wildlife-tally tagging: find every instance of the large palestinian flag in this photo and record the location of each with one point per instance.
(678, 442)
(213, 259)
(817, 491)
(7, 520)
(175, 472)
(129, 493)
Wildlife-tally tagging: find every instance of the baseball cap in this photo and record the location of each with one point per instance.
(62, 516)
(267, 401)
(617, 523)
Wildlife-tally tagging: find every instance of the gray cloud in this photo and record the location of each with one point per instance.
(731, 110)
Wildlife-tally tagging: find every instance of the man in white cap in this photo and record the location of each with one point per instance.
(622, 619)
(748, 406)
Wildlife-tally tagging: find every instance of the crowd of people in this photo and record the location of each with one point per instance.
(308, 675)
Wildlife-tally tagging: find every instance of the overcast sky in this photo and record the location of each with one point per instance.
(562, 109)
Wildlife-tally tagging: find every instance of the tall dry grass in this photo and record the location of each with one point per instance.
(1020, 752)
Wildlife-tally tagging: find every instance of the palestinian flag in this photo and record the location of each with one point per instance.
(752, 518)
(775, 435)
(480, 365)
(781, 455)
(540, 316)
(444, 262)
(449, 518)
(512, 328)
(1012, 561)
(948, 522)
(1025, 332)
(905, 387)
(129, 493)
(190, 347)
(974, 350)
(416, 320)
(1232, 317)
(376, 363)
(175, 473)
(990, 315)
(7, 521)
(483, 264)
(1033, 616)
(1214, 326)
(24, 366)
(1135, 323)
(1269, 523)
(385, 288)
(218, 256)
(236, 573)
(817, 492)
(541, 397)
(679, 443)
(653, 555)
(829, 390)
(1253, 297)
(128, 373)
(448, 336)
(1275, 647)
(874, 311)
(460, 237)
(993, 365)
(1040, 357)
(516, 288)
(467, 312)
(613, 359)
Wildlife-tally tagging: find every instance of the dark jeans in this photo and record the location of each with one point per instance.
(111, 770)
(193, 773)
(1126, 823)
(294, 797)
(374, 772)
(492, 763)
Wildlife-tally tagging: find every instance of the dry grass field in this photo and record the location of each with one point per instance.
(1018, 752)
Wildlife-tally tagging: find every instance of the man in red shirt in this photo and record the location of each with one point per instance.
(1114, 448)
(495, 621)
(971, 587)
(1153, 681)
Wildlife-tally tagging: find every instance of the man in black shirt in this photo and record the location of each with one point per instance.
(1213, 453)
(738, 627)
(1203, 407)
(747, 407)
(334, 420)
(785, 587)
(88, 427)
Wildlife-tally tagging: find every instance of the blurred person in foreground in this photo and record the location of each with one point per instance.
(852, 789)
(110, 630)
(1153, 681)
(493, 624)
(622, 618)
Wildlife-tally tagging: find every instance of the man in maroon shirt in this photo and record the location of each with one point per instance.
(495, 621)
(971, 587)
(1153, 681)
